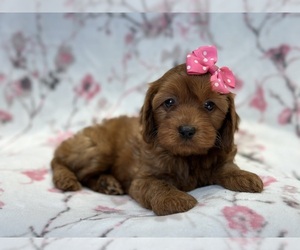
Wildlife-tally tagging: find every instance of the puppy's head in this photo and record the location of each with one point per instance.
(183, 115)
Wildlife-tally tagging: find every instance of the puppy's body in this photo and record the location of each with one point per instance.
(182, 140)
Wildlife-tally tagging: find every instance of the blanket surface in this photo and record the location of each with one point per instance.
(62, 72)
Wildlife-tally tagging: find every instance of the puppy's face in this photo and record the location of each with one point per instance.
(183, 115)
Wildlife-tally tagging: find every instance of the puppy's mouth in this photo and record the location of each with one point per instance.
(186, 140)
(188, 147)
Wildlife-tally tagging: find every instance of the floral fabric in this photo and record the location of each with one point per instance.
(149, 6)
(61, 72)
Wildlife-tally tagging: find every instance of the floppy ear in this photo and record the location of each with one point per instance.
(147, 121)
(230, 125)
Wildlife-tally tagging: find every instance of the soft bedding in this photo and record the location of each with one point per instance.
(55, 81)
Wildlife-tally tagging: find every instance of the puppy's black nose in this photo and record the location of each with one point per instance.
(186, 131)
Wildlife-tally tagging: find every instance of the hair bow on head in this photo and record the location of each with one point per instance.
(203, 60)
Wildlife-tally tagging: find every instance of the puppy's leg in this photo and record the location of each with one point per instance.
(63, 177)
(235, 179)
(85, 159)
(160, 196)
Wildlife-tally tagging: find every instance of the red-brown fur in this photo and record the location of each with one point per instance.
(147, 158)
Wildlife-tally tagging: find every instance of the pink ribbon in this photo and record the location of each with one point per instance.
(203, 60)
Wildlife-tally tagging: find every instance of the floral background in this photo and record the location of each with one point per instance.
(61, 72)
(150, 6)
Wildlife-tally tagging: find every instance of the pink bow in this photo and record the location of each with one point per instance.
(203, 60)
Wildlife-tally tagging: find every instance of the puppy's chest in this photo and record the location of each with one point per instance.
(192, 173)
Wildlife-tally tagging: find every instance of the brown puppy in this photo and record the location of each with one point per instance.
(183, 139)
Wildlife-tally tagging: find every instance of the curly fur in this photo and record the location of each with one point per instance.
(147, 158)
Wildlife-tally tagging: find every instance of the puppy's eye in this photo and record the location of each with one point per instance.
(169, 103)
(209, 105)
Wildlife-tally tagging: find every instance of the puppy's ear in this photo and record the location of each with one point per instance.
(147, 121)
(230, 125)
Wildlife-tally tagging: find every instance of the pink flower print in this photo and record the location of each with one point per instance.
(64, 58)
(242, 242)
(278, 55)
(156, 26)
(59, 138)
(183, 30)
(104, 209)
(5, 117)
(18, 88)
(238, 83)
(298, 108)
(290, 189)
(258, 101)
(35, 74)
(2, 78)
(71, 4)
(129, 38)
(18, 42)
(88, 88)
(54, 190)
(36, 175)
(267, 180)
(285, 116)
(1, 203)
(243, 219)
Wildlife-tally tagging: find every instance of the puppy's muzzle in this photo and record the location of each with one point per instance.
(186, 131)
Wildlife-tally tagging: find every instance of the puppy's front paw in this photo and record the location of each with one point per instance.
(173, 202)
(244, 181)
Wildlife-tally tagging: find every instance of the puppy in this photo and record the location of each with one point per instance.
(183, 139)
